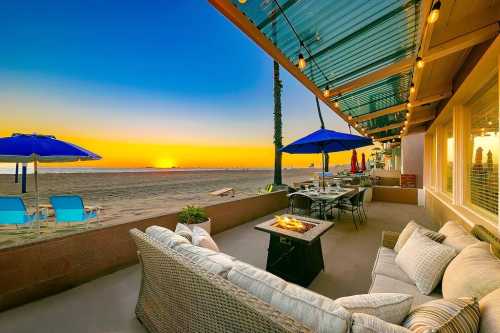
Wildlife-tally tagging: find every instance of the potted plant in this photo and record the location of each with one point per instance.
(194, 216)
(366, 184)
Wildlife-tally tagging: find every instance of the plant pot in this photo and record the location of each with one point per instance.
(207, 225)
(368, 193)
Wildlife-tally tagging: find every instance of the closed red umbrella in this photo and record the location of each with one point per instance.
(354, 161)
(363, 162)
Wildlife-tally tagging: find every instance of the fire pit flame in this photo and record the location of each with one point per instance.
(292, 224)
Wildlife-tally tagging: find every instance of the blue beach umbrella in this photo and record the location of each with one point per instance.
(326, 141)
(36, 148)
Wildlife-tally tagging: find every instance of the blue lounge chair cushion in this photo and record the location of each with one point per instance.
(70, 208)
(13, 212)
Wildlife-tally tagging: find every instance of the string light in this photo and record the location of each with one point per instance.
(434, 14)
(409, 105)
(420, 63)
(326, 92)
(336, 104)
(242, 1)
(350, 118)
(302, 62)
(412, 89)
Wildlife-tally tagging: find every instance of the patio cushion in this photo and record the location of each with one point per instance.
(184, 231)
(214, 262)
(456, 236)
(390, 307)
(256, 281)
(364, 323)
(475, 272)
(408, 231)
(490, 312)
(385, 264)
(424, 260)
(385, 284)
(202, 238)
(319, 313)
(459, 315)
(155, 231)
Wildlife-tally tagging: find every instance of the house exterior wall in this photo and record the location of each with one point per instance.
(412, 152)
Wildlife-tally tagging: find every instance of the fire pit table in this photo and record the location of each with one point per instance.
(294, 251)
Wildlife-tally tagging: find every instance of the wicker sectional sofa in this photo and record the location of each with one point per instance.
(179, 294)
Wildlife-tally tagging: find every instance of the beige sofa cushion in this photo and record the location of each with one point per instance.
(424, 260)
(475, 272)
(256, 281)
(459, 315)
(385, 264)
(364, 323)
(166, 236)
(456, 236)
(214, 262)
(385, 284)
(408, 231)
(389, 307)
(489, 306)
(319, 313)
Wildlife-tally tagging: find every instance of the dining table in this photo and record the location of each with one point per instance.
(326, 196)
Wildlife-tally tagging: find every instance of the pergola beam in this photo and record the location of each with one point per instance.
(387, 138)
(402, 107)
(422, 120)
(398, 67)
(462, 42)
(385, 128)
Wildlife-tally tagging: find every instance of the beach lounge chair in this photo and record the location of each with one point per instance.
(13, 212)
(70, 209)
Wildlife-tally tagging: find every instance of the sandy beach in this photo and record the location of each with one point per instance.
(124, 195)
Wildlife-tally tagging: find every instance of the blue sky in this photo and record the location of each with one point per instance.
(159, 70)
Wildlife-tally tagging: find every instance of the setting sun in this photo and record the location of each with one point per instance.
(164, 163)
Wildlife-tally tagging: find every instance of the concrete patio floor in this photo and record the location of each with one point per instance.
(107, 304)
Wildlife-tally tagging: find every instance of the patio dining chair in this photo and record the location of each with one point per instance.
(70, 209)
(14, 212)
(302, 203)
(353, 205)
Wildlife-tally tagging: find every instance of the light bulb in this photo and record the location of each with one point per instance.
(409, 105)
(336, 104)
(420, 63)
(326, 92)
(302, 62)
(434, 14)
(412, 89)
(350, 117)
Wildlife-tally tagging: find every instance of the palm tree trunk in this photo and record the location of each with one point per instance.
(278, 139)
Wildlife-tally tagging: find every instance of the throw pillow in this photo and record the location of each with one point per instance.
(203, 239)
(184, 231)
(408, 231)
(214, 262)
(166, 236)
(475, 272)
(445, 316)
(155, 231)
(489, 307)
(424, 260)
(456, 236)
(389, 307)
(364, 323)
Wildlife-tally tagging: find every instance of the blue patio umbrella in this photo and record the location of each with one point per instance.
(326, 141)
(36, 148)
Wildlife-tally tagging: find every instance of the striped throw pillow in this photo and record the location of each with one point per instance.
(408, 231)
(459, 315)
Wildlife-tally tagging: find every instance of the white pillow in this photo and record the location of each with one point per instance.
(408, 231)
(203, 239)
(184, 231)
(424, 261)
(155, 231)
(390, 307)
(363, 323)
(456, 236)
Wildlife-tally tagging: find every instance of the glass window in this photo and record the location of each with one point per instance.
(449, 147)
(482, 151)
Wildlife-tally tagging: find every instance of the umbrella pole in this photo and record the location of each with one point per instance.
(323, 168)
(36, 195)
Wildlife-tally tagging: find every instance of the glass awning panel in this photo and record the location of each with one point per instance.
(344, 40)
